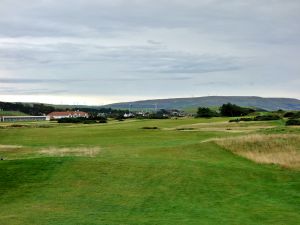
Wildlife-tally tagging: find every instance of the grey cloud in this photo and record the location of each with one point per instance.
(33, 81)
(262, 21)
(139, 59)
(30, 91)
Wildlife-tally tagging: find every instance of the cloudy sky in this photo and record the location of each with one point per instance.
(103, 51)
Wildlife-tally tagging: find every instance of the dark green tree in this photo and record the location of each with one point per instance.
(234, 110)
(206, 112)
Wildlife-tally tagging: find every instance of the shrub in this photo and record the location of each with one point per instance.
(234, 121)
(241, 119)
(289, 114)
(205, 113)
(246, 119)
(150, 128)
(70, 120)
(267, 118)
(296, 115)
(89, 121)
(293, 115)
(185, 128)
(232, 110)
(158, 116)
(102, 120)
(292, 122)
(83, 120)
(120, 117)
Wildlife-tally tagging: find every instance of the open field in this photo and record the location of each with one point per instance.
(121, 174)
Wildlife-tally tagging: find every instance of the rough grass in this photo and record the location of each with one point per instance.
(226, 127)
(13, 152)
(281, 149)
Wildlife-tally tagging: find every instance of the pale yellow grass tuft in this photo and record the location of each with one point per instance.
(281, 149)
(10, 146)
(77, 151)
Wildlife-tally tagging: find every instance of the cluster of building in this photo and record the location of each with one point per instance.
(51, 116)
(164, 113)
(77, 114)
(67, 114)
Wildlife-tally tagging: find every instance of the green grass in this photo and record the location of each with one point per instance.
(140, 176)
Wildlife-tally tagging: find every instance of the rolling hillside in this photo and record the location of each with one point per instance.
(213, 101)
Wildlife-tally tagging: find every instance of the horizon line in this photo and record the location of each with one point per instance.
(150, 99)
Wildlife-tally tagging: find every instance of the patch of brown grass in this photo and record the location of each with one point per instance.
(77, 151)
(281, 149)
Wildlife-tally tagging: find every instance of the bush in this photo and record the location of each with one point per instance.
(289, 114)
(83, 120)
(241, 119)
(120, 117)
(246, 119)
(71, 120)
(102, 120)
(293, 115)
(292, 122)
(234, 121)
(257, 118)
(205, 113)
(296, 115)
(150, 128)
(232, 110)
(89, 121)
(267, 118)
(158, 116)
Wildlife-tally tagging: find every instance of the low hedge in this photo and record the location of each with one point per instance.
(267, 118)
(292, 122)
(83, 120)
(257, 118)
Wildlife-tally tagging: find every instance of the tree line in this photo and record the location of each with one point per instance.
(231, 110)
(39, 109)
(228, 110)
(34, 109)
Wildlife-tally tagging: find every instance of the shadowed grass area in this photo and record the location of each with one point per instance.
(140, 176)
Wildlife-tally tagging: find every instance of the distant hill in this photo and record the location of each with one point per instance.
(212, 101)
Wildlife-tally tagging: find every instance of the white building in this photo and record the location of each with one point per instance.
(67, 114)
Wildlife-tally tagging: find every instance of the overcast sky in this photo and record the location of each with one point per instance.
(103, 51)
